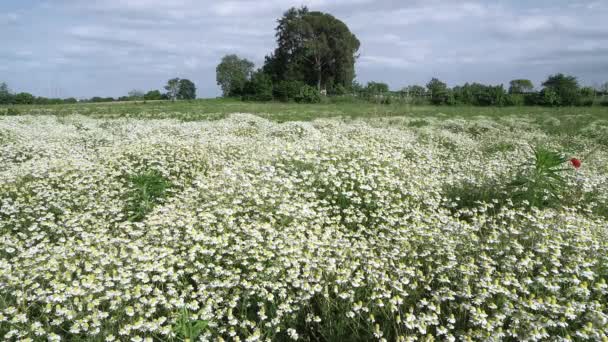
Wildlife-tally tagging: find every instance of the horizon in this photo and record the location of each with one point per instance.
(120, 46)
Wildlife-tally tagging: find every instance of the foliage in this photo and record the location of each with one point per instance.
(313, 47)
(258, 88)
(147, 189)
(188, 329)
(232, 73)
(565, 88)
(187, 90)
(438, 92)
(153, 95)
(480, 95)
(375, 88)
(308, 94)
(24, 98)
(10, 111)
(542, 182)
(135, 95)
(5, 94)
(521, 86)
(550, 97)
(287, 90)
(172, 88)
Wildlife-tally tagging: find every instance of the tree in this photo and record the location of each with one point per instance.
(521, 86)
(438, 91)
(259, 87)
(172, 88)
(565, 87)
(24, 98)
(313, 47)
(232, 73)
(376, 88)
(153, 95)
(287, 90)
(414, 91)
(5, 94)
(187, 90)
(588, 92)
(136, 94)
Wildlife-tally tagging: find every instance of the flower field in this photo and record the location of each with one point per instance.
(242, 228)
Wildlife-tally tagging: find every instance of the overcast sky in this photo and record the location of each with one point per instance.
(82, 48)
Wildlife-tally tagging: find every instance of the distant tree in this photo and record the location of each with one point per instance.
(24, 98)
(414, 91)
(376, 88)
(565, 87)
(438, 91)
(550, 97)
(604, 88)
(70, 100)
(521, 86)
(314, 47)
(153, 95)
(5, 94)
(136, 94)
(187, 90)
(172, 88)
(588, 92)
(232, 73)
(356, 87)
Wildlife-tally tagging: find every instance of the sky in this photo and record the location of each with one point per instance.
(82, 48)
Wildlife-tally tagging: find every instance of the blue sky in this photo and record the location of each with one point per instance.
(78, 48)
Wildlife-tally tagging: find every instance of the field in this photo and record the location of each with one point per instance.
(332, 222)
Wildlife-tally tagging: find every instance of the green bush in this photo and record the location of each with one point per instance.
(259, 88)
(308, 94)
(586, 101)
(11, 111)
(515, 100)
(287, 90)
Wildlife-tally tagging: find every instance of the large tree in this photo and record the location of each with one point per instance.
(232, 73)
(172, 88)
(565, 87)
(187, 90)
(520, 86)
(439, 91)
(313, 47)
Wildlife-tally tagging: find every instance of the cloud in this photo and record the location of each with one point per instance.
(107, 47)
(9, 18)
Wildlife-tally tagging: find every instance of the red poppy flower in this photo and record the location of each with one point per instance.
(576, 163)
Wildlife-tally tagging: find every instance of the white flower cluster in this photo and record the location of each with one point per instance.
(327, 230)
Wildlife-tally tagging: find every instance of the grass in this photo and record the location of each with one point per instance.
(212, 109)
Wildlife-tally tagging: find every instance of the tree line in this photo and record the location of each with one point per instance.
(175, 89)
(316, 55)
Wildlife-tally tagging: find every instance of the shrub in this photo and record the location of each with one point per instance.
(287, 90)
(11, 111)
(147, 190)
(308, 94)
(515, 100)
(259, 88)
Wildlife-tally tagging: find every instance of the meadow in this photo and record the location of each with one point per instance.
(227, 220)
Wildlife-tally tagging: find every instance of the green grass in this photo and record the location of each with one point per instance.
(211, 109)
